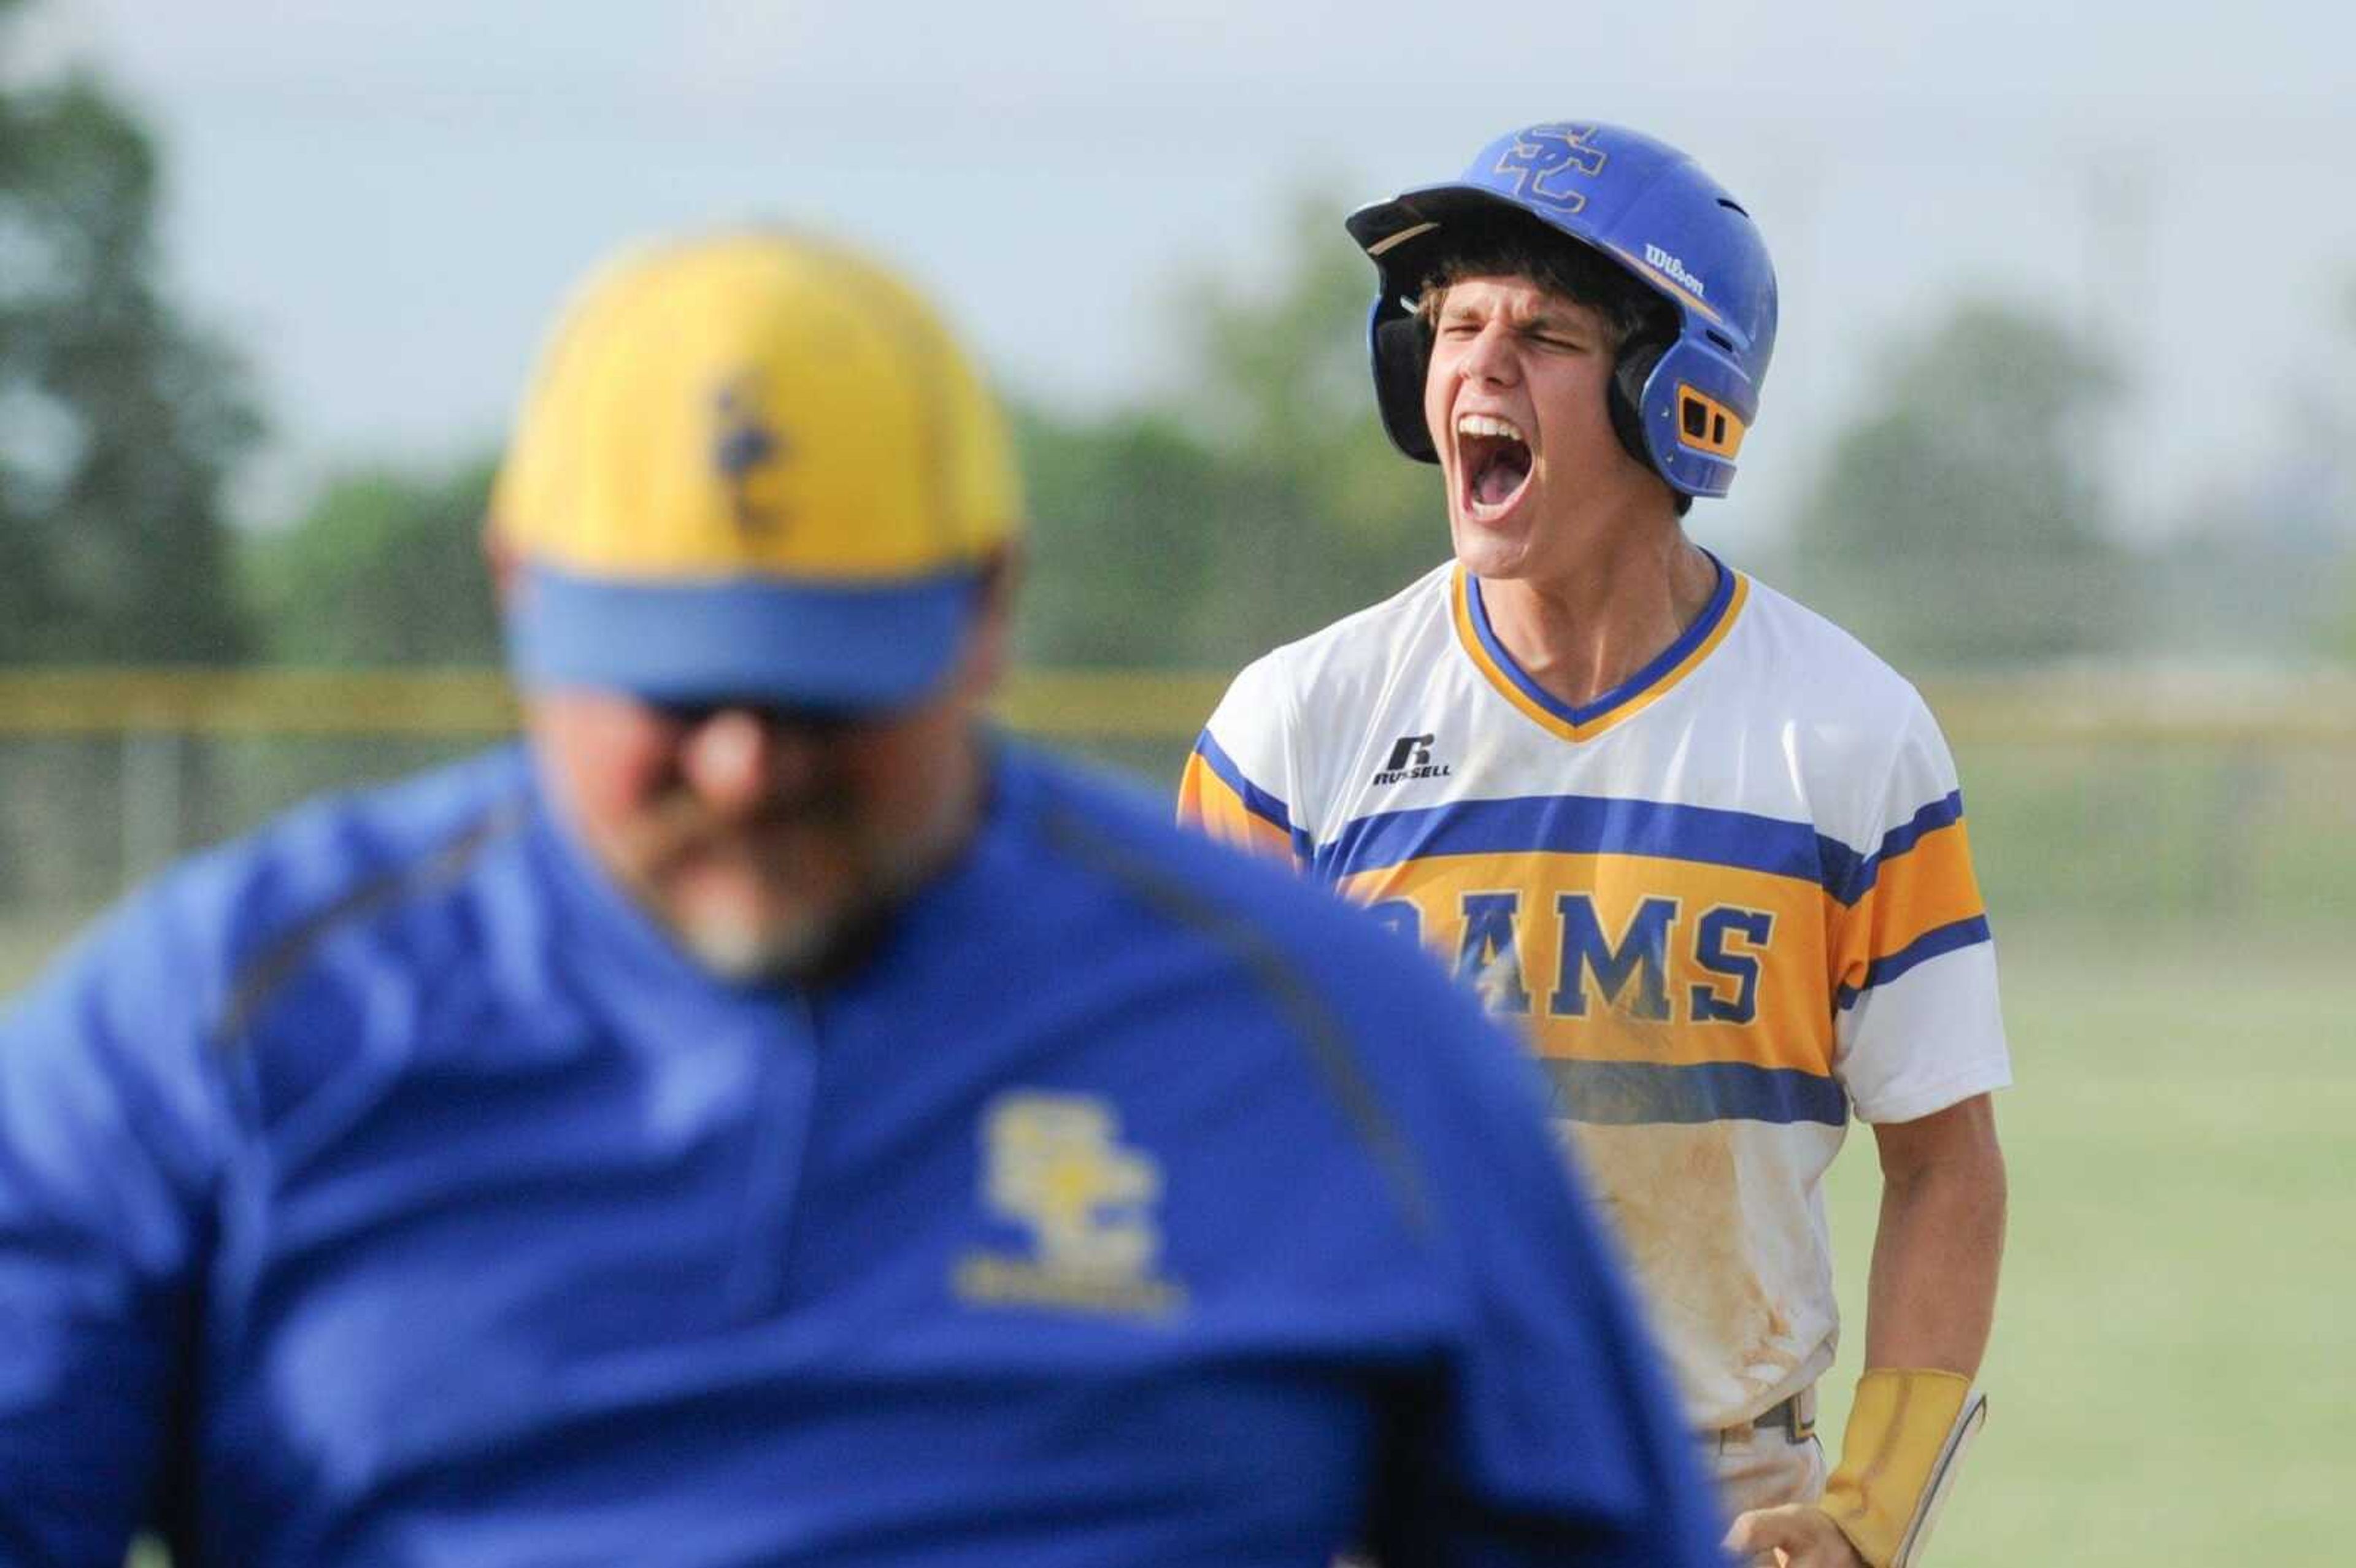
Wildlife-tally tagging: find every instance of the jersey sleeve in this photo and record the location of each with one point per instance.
(105, 1134)
(1558, 1439)
(1917, 1025)
(1239, 784)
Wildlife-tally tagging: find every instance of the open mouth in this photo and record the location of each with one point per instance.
(1493, 457)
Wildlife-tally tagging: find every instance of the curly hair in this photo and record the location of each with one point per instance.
(1517, 247)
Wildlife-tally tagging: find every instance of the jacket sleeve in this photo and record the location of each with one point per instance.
(105, 1134)
(1554, 1437)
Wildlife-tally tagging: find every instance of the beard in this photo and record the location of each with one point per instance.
(798, 894)
(798, 944)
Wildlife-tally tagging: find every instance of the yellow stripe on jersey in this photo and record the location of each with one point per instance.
(1627, 958)
(1923, 900)
(1215, 796)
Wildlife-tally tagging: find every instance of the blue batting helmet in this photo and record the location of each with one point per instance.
(1681, 403)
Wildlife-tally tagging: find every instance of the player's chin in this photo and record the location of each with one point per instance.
(746, 956)
(1487, 550)
(744, 921)
(758, 945)
(752, 926)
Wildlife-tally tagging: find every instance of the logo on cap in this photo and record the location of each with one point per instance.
(745, 451)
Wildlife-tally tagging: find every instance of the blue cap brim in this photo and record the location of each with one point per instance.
(796, 644)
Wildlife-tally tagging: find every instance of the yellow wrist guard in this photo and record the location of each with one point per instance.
(1905, 1437)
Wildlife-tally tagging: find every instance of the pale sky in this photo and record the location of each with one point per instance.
(383, 203)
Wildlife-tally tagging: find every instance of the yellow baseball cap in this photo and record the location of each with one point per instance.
(752, 465)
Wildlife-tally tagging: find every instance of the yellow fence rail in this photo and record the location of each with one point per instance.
(2097, 789)
(1096, 703)
(2318, 709)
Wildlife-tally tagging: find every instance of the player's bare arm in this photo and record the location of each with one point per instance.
(1929, 1303)
(1930, 1297)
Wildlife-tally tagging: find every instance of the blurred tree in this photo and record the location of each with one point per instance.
(2252, 570)
(2339, 639)
(386, 568)
(2261, 563)
(118, 421)
(1327, 517)
(2339, 631)
(119, 425)
(1253, 507)
(1961, 521)
(1119, 561)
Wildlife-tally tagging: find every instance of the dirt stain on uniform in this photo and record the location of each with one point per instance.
(1673, 1195)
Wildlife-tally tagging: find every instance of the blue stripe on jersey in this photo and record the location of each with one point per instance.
(1599, 825)
(1257, 801)
(1924, 948)
(1623, 1093)
(1576, 825)
(1636, 685)
(1849, 876)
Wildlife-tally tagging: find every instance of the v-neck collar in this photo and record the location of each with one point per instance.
(1639, 691)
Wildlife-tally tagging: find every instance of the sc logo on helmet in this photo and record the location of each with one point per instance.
(1543, 156)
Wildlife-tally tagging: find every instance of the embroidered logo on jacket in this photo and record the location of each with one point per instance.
(1054, 1165)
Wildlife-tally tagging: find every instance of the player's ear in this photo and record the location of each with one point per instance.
(499, 556)
(989, 641)
(1002, 574)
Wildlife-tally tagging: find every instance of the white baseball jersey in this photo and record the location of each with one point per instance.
(1731, 901)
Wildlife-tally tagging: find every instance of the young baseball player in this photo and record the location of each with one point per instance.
(765, 1119)
(1702, 847)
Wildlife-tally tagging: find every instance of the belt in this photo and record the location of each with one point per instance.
(1795, 1418)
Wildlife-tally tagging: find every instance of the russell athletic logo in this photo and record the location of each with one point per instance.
(1675, 269)
(1411, 758)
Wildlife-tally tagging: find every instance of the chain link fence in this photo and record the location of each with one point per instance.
(2100, 798)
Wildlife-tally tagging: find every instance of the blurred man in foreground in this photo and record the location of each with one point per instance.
(767, 1119)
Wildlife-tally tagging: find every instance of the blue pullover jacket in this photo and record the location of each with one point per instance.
(385, 1189)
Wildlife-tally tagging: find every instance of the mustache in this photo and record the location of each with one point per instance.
(679, 825)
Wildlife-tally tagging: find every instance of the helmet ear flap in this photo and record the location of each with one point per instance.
(1402, 359)
(1625, 400)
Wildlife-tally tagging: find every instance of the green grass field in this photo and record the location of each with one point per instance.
(2175, 1347)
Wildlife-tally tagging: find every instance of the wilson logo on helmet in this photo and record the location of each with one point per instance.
(1675, 269)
